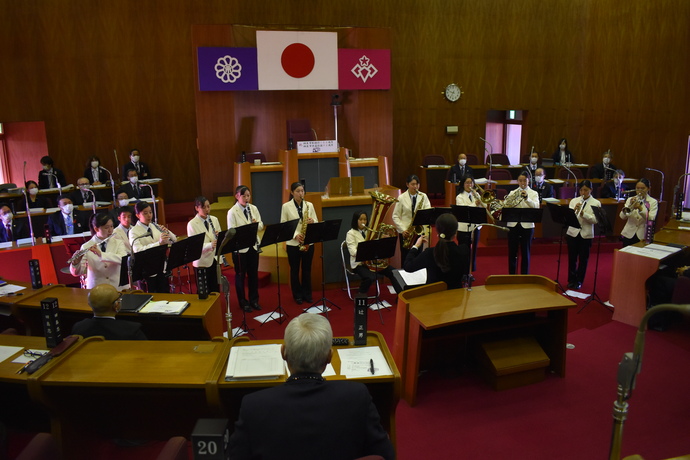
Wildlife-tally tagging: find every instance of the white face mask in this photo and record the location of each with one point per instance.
(134, 179)
(607, 160)
(84, 186)
(33, 191)
(462, 162)
(533, 160)
(617, 181)
(94, 164)
(68, 208)
(7, 218)
(123, 203)
(539, 179)
(46, 167)
(562, 147)
(135, 158)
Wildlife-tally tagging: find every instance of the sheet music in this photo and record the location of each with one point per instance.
(413, 278)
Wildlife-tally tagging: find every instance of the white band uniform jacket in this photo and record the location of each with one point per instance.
(636, 221)
(587, 218)
(466, 199)
(196, 226)
(104, 269)
(121, 233)
(532, 201)
(236, 218)
(402, 214)
(139, 239)
(289, 212)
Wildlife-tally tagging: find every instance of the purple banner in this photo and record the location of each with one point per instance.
(227, 69)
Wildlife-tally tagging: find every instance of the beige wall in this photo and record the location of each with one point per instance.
(603, 73)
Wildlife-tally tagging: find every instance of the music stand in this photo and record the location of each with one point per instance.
(183, 252)
(320, 232)
(147, 263)
(383, 248)
(604, 227)
(244, 237)
(475, 215)
(274, 234)
(566, 217)
(223, 237)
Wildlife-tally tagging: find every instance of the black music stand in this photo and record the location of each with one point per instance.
(383, 248)
(244, 237)
(184, 252)
(470, 215)
(604, 227)
(566, 217)
(274, 234)
(320, 232)
(223, 237)
(147, 263)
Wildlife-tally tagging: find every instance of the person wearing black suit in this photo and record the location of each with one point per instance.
(531, 167)
(132, 187)
(603, 170)
(94, 172)
(35, 200)
(10, 230)
(67, 221)
(141, 168)
(459, 170)
(615, 187)
(308, 417)
(83, 194)
(543, 188)
(562, 155)
(49, 176)
(105, 301)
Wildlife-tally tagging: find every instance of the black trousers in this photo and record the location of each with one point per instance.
(519, 237)
(368, 277)
(300, 261)
(629, 241)
(157, 283)
(465, 238)
(246, 267)
(211, 277)
(578, 251)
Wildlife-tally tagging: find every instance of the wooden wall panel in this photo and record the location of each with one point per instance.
(603, 73)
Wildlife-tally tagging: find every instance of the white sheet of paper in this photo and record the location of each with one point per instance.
(413, 278)
(356, 362)
(6, 352)
(10, 288)
(21, 359)
(579, 295)
(264, 317)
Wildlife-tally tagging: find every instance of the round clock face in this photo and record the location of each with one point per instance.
(452, 92)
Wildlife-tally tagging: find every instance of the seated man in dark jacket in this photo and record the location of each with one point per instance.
(105, 301)
(308, 417)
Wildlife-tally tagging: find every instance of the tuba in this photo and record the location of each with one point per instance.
(377, 230)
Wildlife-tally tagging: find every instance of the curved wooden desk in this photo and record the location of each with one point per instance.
(505, 304)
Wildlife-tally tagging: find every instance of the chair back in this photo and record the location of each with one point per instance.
(566, 192)
(299, 130)
(472, 159)
(4, 188)
(500, 174)
(255, 156)
(345, 257)
(501, 193)
(564, 174)
(434, 160)
(498, 159)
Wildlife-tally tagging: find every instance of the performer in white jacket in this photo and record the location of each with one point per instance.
(468, 233)
(209, 225)
(408, 202)
(102, 261)
(246, 260)
(639, 213)
(520, 234)
(580, 239)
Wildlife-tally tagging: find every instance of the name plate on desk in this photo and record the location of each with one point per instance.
(317, 147)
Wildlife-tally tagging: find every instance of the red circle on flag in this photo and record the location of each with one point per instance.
(297, 60)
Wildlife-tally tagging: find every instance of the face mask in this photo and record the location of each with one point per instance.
(562, 147)
(33, 191)
(135, 158)
(68, 208)
(607, 161)
(533, 160)
(94, 164)
(617, 181)
(46, 167)
(462, 162)
(123, 203)
(84, 186)
(7, 218)
(134, 179)
(539, 178)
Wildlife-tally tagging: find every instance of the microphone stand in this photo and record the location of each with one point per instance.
(679, 197)
(628, 369)
(57, 181)
(565, 166)
(112, 185)
(661, 194)
(93, 195)
(153, 197)
(28, 215)
(117, 165)
(335, 103)
(490, 155)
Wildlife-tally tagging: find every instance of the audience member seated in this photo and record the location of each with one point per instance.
(105, 302)
(49, 176)
(532, 166)
(132, 187)
(615, 187)
(35, 200)
(459, 169)
(444, 262)
(67, 221)
(83, 193)
(11, 230)
(603, 170)
(543, 188)
(96, 174)
(136, 164)
(121, 232)
(308, 417)
(562, 155)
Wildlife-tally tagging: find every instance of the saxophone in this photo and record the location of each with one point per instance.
(413, 231)
(303, 230)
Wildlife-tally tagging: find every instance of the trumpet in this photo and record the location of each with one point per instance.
(78, 254)
(636, 203)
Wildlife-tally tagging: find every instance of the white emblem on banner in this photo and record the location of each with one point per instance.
(228, 69)
(365, 69)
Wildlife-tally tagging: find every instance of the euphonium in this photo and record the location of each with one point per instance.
(378, 229)
(305, 222)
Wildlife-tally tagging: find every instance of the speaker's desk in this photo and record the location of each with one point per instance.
(384, 390)
(506, 304)
(201, 320)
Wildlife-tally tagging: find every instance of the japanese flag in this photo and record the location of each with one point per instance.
(297, 60)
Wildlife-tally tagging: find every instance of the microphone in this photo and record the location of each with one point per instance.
(661, 194)
(112, 184)
(316, 138)
(565, 166)
(153, 198)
